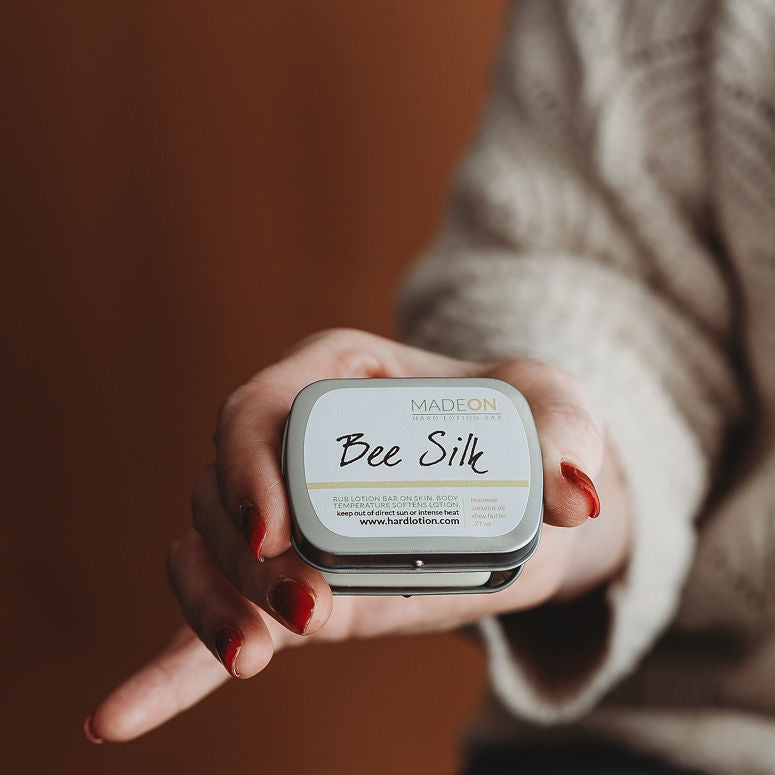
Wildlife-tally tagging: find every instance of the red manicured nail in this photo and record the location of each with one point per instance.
(584, 483)
(254, 529)
(228, 641)
(293, 602)
(88, 730)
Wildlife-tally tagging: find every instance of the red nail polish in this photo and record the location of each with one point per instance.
(584, 483)
(88, 730)
(293, 602)
(228, 641)
(254, 529)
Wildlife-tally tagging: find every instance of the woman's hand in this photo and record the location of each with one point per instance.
(246, 594)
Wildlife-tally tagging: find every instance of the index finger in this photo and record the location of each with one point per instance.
(172, 682)
(249, 432)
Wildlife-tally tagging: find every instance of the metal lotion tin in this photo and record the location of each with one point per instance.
(413, 486)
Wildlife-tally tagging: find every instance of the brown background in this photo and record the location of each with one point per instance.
(189, 188)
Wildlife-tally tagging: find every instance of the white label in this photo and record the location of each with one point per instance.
(409, 461)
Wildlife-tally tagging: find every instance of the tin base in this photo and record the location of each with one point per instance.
(457, 583)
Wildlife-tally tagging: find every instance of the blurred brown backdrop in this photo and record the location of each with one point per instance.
(188, 188)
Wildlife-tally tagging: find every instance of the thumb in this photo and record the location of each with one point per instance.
(571, 437)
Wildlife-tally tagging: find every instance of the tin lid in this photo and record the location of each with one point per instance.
(401, 474)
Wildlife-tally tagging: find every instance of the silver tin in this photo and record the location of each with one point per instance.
(373, 442)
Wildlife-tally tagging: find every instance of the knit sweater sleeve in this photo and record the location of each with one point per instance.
(573, 236)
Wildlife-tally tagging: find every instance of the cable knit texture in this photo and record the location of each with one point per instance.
(616, 216)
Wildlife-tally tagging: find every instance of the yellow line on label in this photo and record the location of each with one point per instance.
(399, 483)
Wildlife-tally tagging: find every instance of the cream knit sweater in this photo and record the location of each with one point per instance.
(616, 216)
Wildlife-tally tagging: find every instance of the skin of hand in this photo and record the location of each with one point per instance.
(246, 594)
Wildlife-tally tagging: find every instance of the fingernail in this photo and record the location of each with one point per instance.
(293, 602)
(88, 730)
(228, 641)
(254, 529)
(584, 483)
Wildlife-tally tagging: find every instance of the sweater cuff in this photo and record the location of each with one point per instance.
(664, 391)
(554, 664)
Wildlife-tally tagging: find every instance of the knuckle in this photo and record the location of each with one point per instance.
(354, 352)
(230, 409)
(576, 418)
(354, 361)
(349, 351)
